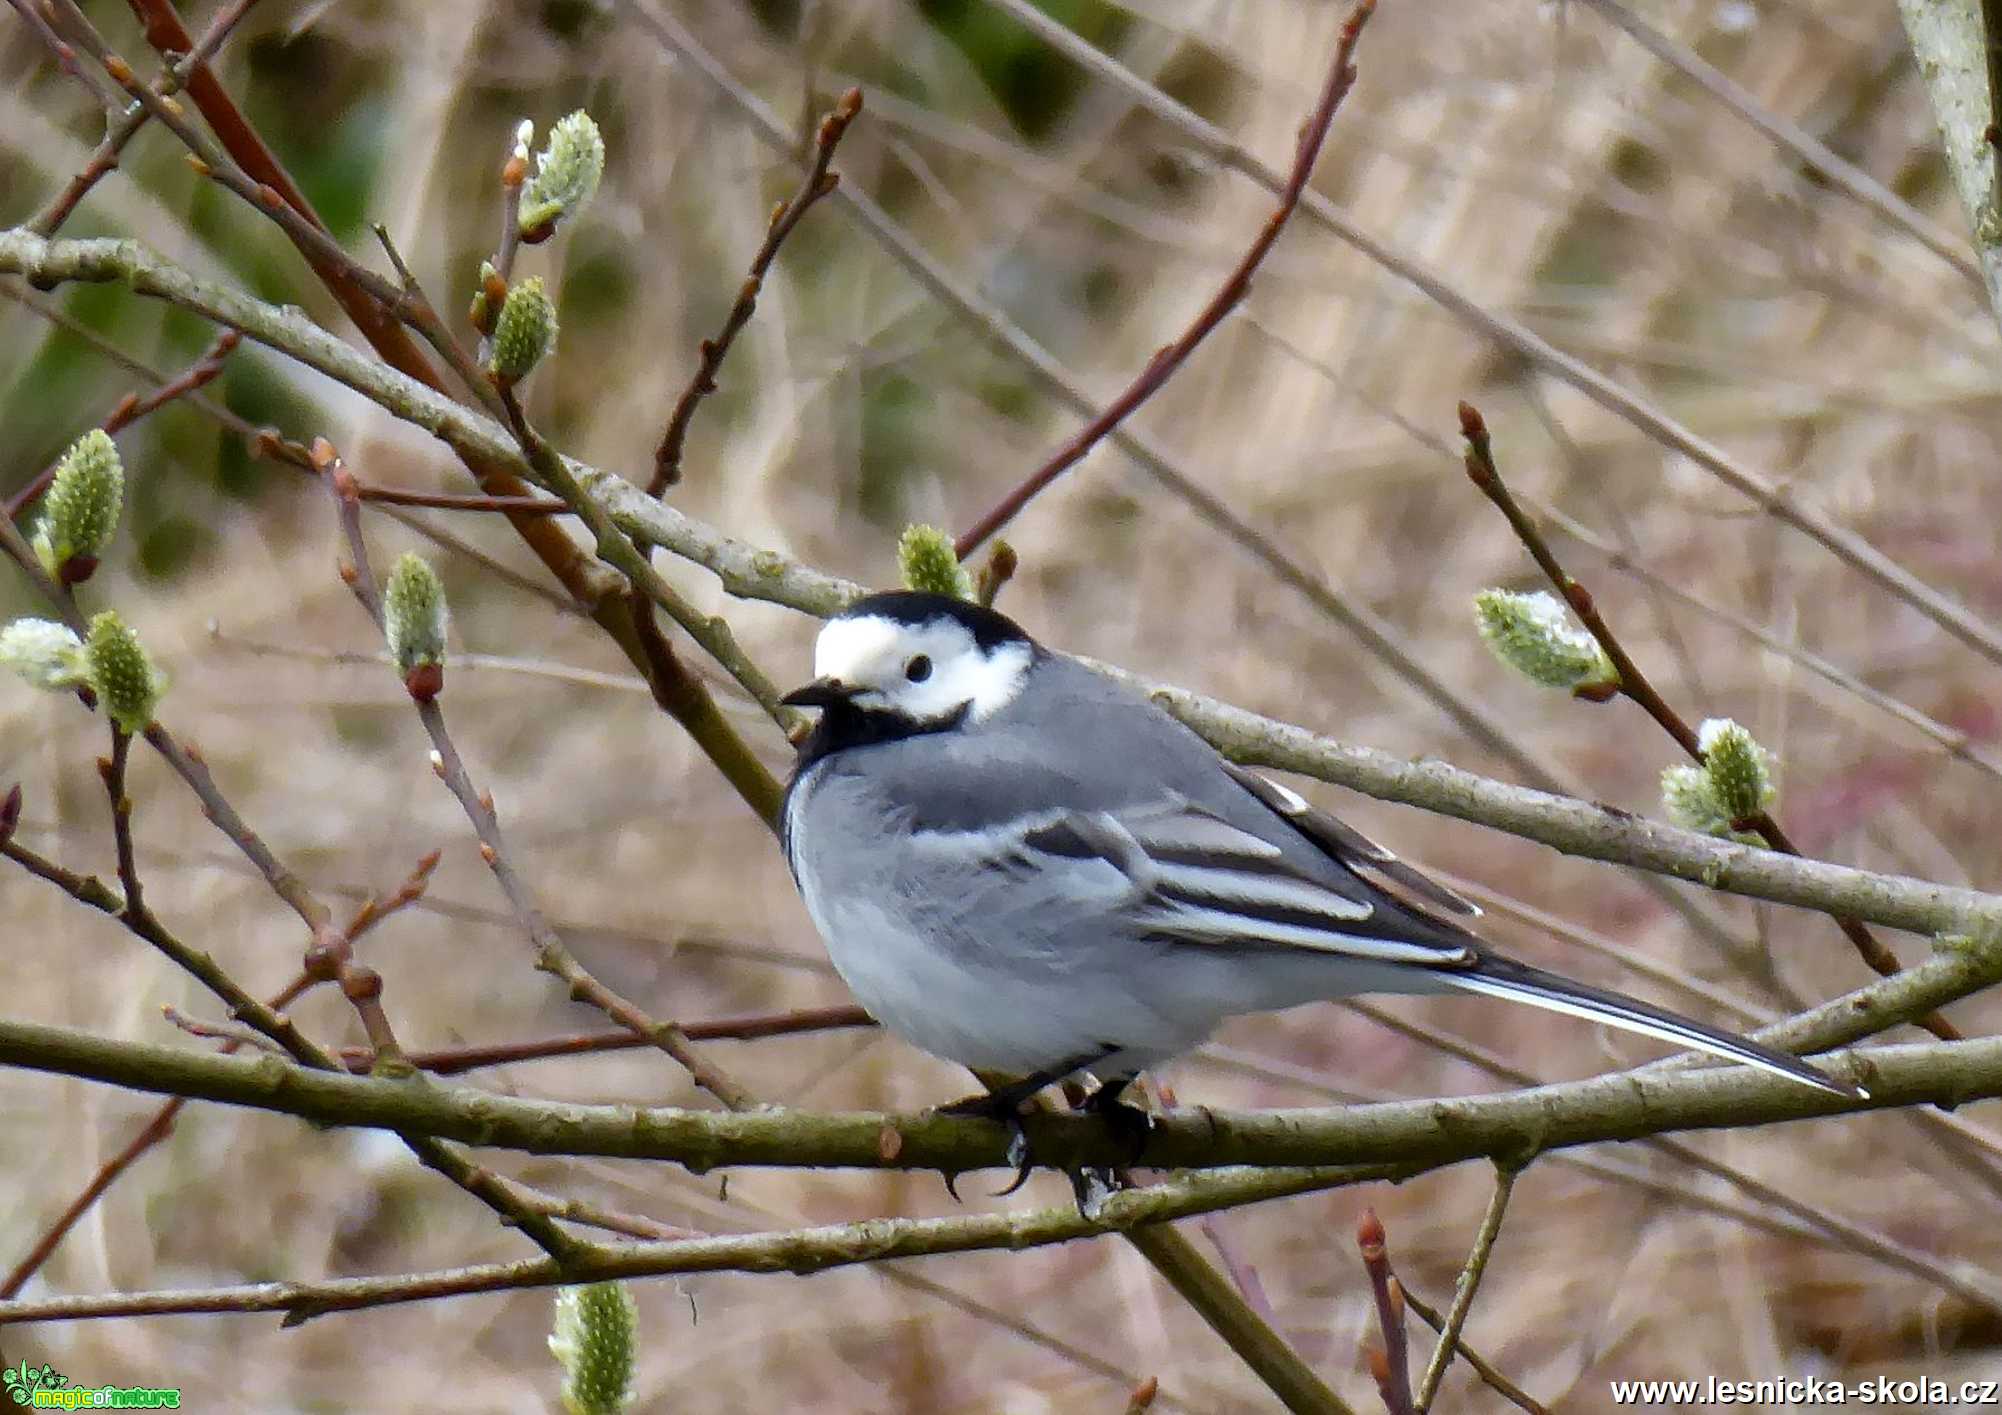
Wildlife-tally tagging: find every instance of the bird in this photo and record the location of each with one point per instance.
(1026, 867)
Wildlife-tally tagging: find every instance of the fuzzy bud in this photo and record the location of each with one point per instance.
(123, 676)
(488, 299)
(47, 654)
(594, 1341)
(414, 618)
(1687, 796)
(926, 560)
(80, 511)
(1740, 770)
(523, 332)
(566, 175)
(1535, 635)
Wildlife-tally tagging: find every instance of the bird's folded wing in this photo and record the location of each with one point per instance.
(1193, 877)
(1348, 845)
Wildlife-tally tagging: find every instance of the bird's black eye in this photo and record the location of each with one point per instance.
(918, 669)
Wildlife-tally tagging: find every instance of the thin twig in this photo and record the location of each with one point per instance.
(680, 693)
(1511, 335)
(371, 913)
(453, 1061)
(112, 769)
(1635, 685)
(461, 501)
(800, 1250)
(1574, 826)
(1253, 1338)
(1162, 366)
(1813, 154)
(1390, 1363)
(134, 406)
(1490, 1374)
(818, 182)
(236, 1034)
(1377, 634)
(1242, 1274)
(105, 158)
(552, 955)
(1475, 1269)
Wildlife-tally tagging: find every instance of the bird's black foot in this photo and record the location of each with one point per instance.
(1130, 1125)
(1004, 1104)
(1005, 1107)
(1093, 1186)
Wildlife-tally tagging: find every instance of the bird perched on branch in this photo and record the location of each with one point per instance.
(1025, 867)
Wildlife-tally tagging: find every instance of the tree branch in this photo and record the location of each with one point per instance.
(817, 183)
(1951, 47)
(798, 1251)
(1635, 685)
(1663, 1098)
(1573, 826)
(1236, 286)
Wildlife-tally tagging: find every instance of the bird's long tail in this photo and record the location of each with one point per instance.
(1518, 982)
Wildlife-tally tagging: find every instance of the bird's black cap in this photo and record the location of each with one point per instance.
(990, 628)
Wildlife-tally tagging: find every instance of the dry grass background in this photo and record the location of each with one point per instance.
(1550, 166)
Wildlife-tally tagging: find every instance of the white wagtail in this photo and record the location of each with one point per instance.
(1025, 867)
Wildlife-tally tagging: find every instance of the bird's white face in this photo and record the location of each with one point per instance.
(924, 672)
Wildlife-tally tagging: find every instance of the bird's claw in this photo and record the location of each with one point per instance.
(1017, 1155)
(1007, 1111)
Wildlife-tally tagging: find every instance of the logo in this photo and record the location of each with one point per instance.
(49, 1389)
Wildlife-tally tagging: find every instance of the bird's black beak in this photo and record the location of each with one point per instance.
(820, 693)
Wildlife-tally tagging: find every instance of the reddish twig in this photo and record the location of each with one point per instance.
(1635, 685)
(325, 956)
(371, 912)
(1389, 1363)
(819, 181)
(374, 909)
(33, 16)
(1162, 366)
(360, 294)
(134, 406)
(112, 770)
(150, 1134)
(1242, 1274)
(105, 158)
(453, 1061)
(552, 955)
(168, 35)
(459, 501)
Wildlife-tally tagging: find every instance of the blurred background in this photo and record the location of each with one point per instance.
(1532, 155)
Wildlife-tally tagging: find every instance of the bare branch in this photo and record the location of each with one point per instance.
(1574, 826)
(1635, 685)
(817, 183)
(1469, 1283)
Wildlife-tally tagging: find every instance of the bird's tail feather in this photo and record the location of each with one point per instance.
(1518, 982)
